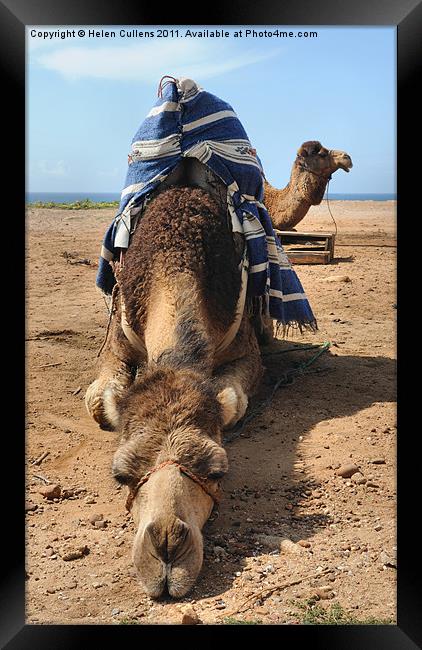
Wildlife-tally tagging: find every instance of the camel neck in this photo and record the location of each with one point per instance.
(307, 186)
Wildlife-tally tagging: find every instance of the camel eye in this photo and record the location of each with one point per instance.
(216, 475)
(322, 154)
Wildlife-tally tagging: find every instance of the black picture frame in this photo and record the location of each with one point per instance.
(15, 15)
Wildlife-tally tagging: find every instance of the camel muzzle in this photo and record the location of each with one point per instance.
(343, 160)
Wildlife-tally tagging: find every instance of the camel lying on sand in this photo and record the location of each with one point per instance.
(311, 171)
(168, 384)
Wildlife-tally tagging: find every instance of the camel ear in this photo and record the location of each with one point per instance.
(126, 462)
(218, 463)
(302, 151)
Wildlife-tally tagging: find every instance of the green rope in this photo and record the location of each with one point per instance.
(284, 380)
(298, 349)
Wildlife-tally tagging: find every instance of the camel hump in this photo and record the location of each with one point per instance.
(190, 172)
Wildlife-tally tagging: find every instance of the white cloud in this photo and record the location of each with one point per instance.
(56, 169)
(147, 61)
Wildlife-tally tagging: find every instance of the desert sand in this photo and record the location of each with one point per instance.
(282, 482)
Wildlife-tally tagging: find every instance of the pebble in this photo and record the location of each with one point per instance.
(90, 500)
(378, 461)
(100, 523)
(95, 517)
(346, 471)
(324, 593)
(386, 560)
(304, 543)
(378, 528)
(189, 616)
(338, 278)
(115, 611)
(29, 506)
(219, 551)
(50, 492)
(287, 546)
(358, 478)
(74, 553)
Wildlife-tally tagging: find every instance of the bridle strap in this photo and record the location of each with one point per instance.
(201, 481)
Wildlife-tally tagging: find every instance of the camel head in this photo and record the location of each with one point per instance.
(171, 420)
(315, 158)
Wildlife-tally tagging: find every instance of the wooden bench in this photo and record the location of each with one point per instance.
(307, 247)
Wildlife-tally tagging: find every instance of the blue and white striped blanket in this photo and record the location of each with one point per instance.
(188, 121)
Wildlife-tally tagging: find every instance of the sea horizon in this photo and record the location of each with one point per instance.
(99, 197)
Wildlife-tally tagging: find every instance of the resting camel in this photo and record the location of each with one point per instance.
(166, 381)
(311, 171)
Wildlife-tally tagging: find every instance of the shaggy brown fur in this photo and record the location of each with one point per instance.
(182, 231)
(165, 415)
(180, 283)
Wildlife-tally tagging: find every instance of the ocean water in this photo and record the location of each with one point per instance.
(70, 197)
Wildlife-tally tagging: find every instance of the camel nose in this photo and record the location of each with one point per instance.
(167, 537)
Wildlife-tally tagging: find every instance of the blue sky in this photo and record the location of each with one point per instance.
(86, 97)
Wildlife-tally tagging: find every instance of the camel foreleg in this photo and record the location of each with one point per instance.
(239, 379)
(118, 361)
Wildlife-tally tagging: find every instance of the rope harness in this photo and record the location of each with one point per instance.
(214, 493)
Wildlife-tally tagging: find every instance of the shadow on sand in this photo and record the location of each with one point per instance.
(264, 475)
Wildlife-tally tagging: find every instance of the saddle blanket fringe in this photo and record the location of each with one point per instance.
(187, 121)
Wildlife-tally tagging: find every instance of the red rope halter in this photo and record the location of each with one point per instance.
(201, 481)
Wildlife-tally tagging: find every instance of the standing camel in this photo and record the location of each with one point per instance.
(311, 171)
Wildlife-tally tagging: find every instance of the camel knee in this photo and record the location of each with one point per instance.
(100, 402)
(234, 402)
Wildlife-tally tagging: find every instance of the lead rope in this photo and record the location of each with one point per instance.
(287, 378)
(110, 316)
(328, 205)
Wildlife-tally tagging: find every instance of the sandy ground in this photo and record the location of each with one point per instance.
(282, 482)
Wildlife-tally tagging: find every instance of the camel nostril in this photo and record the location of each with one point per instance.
(167, 538)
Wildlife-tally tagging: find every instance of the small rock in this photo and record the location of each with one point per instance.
(95, 517)
(90, 500)
(346, 471)
(100, 523)
(221, 605)
(324, 593)
(50, 492)
(115, 611)
(189, 616)
(219, 551)
(378, 461)
(338, 278)
(304, 543)
(358, 478)
(378, 527)
(29, 506)
(386, 560)
(69, 553)
(287, 546)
